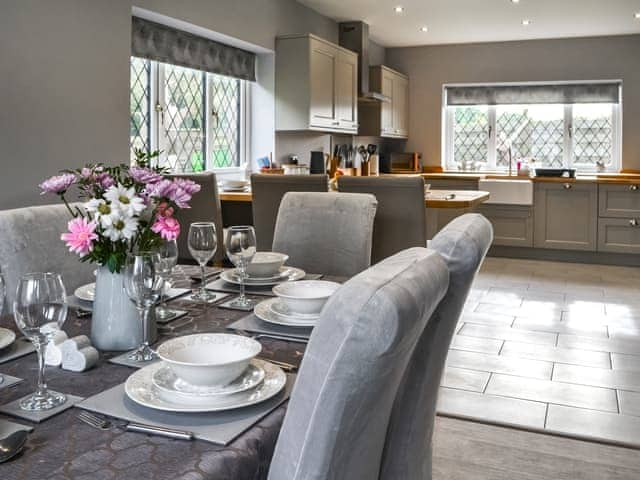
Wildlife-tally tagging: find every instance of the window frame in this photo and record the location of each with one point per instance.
(568, 161)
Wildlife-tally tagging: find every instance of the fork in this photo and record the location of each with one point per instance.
(94, 420)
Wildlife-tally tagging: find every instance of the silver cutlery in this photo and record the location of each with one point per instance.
(11, 445)
(103, 424)
(94, 421)
(285, 338)
(287, 367)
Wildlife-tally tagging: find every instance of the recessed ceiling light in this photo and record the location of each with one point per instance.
(515, 1)
(526, 22)
(424, 29)
(398, 9)
(637, 15)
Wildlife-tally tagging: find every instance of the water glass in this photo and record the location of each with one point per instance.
(143, 284)
(168, 259)
(241, 247)
(40, 299)
(203, 243)
(2, 295)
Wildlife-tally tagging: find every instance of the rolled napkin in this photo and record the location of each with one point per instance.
(53, 353)
(80, 360)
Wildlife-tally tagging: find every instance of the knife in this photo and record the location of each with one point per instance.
(162, 431)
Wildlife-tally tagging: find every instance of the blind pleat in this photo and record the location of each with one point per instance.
(165, 44)
(600, 92)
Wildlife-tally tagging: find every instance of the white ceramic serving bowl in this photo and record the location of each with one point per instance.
(230, 183)
(305, 296)
(209, 359)
(266, 264)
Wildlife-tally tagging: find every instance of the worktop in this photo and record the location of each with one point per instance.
(604, 178)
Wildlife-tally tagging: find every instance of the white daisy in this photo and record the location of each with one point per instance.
(102, 211)
(121, 228)
(125, 200)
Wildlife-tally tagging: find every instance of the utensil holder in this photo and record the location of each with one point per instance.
(364, 169)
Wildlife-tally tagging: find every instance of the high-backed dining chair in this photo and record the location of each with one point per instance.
(328, 233)
(400, 221)
(463, 244)
(267, 191)
(338, 414)
(30, 242)
(205, 207)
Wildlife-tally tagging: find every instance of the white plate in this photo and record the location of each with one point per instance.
(139, 388)
(86, 292)
(264, 312)
(280, 308)
(6, 337)
(164, 379)
(287, 274)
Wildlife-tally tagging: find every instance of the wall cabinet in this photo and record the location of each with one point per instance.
(565, 216)
(386, 119)
(316, 85)
(512, 224)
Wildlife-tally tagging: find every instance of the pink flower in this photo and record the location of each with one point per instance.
(164, 210)
(178, 191)
(80, 236)
(167, 227)
(58, 183)
(105, 180)
(188, 186)
(144, 175)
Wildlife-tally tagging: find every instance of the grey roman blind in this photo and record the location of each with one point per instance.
(165, 44)
(595, 92)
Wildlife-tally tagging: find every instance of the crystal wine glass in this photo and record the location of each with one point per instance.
(203, 244)
(143, 284)
(168, 259)
(40, 299)
(241, 247)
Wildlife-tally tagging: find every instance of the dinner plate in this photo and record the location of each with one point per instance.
(140, 389)
(6, 337)
(264, 312)
(86, 292)
(279, 308)
(167, 381)
(287, 274)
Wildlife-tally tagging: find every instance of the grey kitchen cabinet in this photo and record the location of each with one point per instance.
(619, 201)
(316, 85)
(512, 224)
(565, 216)
(619, 235)
(386, 119)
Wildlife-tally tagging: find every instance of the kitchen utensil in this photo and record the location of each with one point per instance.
(12, 445)
(100, 423)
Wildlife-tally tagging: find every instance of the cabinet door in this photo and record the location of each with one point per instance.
(347, 91)
(323, 69)
(565, 216)
(400, 106)
(512, 224)
(619, 235)
(622, 201)
(386, 113)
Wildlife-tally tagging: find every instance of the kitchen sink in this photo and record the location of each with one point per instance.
(507, 192)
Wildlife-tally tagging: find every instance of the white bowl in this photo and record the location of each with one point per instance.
(266, 264)
(209, 359)
(230, 183)
(305, 296)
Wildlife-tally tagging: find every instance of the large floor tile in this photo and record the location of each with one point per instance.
(499, 364)
(554, 354)
(599, 344)
(502, 297)
(597, 377)
(622, 429)
(530, 310)
(464, 379)
(620, 361)
(629, 403)
(487, 318)
(508, 333)
(476, 344)
(553, 392)
(555, 326)
(489, 408)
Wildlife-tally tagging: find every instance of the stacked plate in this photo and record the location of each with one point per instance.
(6, 338)
(206, 373)
(86, 292)
(265, 269)
(297, 304)
(230, 185)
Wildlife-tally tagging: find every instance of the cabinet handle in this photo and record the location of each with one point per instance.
(633, 222)
(568, 186)
(633, 187)
(336, 123)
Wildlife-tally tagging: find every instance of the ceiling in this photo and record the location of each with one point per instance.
(467, 21)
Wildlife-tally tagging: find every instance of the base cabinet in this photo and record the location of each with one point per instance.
(512, 224)
(619, 235)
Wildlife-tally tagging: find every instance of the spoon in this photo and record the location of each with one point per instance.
(10, 446)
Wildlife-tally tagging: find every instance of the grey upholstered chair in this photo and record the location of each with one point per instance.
(401, 216)
(267, 191)
(30, 242)
(205, 207)
(463, 244)
(338, 415)
(328, 233)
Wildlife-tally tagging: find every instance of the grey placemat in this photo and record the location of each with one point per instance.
(178, 314)
(13, 409)
(220, 285)
(253, 324)
(7, 428)
(22, 346)
(123, 359)
(217, 427)
(8, 381)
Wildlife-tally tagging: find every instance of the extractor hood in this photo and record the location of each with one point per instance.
(355, 37)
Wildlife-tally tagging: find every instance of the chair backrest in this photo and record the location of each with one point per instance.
(338, 414)
(400, 221)
(30, 242)
(267, 191)
(205, 207)
(328, 233)
(463, 244)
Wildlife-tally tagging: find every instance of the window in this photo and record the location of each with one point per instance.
(197, 119)
(484, 136)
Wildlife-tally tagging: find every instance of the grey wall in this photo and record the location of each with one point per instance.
(539, 60)
(64, 78)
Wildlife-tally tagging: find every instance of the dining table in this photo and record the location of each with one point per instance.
(63, 447)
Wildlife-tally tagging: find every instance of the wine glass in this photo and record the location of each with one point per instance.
(40, 299)
(2, 294)
(241, 247)
(203, 244)
(168, 259)
(143, 284)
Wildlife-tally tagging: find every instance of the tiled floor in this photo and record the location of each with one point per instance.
(549, 346)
